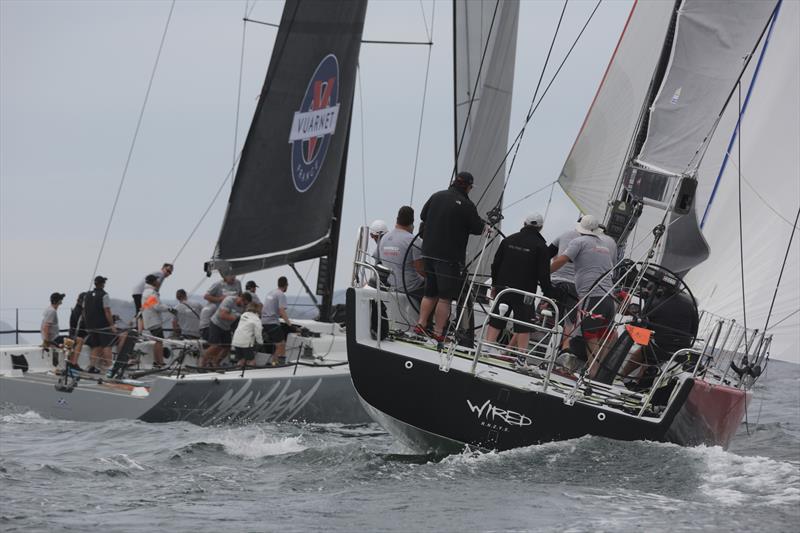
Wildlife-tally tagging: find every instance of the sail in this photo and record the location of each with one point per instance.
(770, 173)
(485, 43)
(712, 44)
(601, 148)
(281, 207)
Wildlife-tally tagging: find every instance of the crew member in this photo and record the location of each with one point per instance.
(219, 330)
(564, 283)
(404, 260)
(522, 261)
(152, 308)
(138, 290)
(100, 325)
(186, 322)
(593, 259)
(77, 329)
(275, 309)
(377, 230)
(227, 286)
(247, 335)
(49, 329)
(251, 287)
(450, 218)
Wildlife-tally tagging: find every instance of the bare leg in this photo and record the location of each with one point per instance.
(280, 351)
(425, 310)
(105, 362)
(522, 341)
(492, 333)
(158, 353)
(569, 327)
(210, 355)
(94, 357)
(441, 315)
(76, 352)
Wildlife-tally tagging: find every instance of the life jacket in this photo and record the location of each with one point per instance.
(94, 315)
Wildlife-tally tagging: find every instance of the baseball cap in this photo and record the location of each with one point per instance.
(56, 297)
(100, 279)
(378, 227)
(250, 285)
(534, 219)
(588, 225)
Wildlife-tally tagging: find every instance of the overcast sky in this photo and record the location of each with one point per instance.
(73, 77)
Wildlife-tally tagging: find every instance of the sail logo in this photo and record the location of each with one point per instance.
(490, 413)
(314, 123)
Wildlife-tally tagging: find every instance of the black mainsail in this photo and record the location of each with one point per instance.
(286, 200)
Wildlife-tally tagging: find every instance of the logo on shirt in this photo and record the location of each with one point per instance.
(315, 123)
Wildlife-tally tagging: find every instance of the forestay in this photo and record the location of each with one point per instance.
(291, 173)
(770, 168)
(483, 118)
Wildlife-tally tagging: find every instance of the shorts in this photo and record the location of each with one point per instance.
(567, 300)
(248, 354)
(204, 333)
(443, 279)
(595, 324)
(519, 309)
(79, 334)
(156, 332)
(218, 336)
(100, 339)
(274, 333)
(137, 302)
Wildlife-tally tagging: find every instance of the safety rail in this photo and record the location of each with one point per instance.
(554, 332)
(657, 384)
(379, 299)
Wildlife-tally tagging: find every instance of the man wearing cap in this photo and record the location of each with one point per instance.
(227, 286)
(49, 329)
(564, 282)
(152, 310)
(593, 258)
(377, 230)
(275, 309)
(449, 218)
(186, 322)
(251, 287)
(100, 326)
(138, 290)
(220, 328)
(522, 261)
(407, 271)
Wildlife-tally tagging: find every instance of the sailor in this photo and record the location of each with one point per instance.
(77, 329)
(247, 335)
(377, 230)
(274, 309)
(152, 309)
(251, 287)
(186, 322)
(450, 218)
(49, 328)
(227, 286)
(205, 319)
(407, 270)
(564, 283)
(593, 258)
(165, 272)
(522, 261)
(219, 330)
(99, 325)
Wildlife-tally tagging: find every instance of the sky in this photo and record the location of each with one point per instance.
(73, 77)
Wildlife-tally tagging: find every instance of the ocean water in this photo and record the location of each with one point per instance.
(132, 476)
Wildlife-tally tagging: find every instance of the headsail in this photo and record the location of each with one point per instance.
(480, 26)
(281, 208)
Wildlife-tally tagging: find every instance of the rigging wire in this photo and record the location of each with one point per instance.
(741, 237)
(780, 275)
(133, 141)
(429, 32)
(239, 88)
(549, 199)
(518, 138)
(363, 145)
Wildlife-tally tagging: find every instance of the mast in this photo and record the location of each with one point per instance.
(455, 90)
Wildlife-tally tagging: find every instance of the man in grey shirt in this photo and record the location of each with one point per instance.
(220, 328)
(138, 289)
(49, 327)
(187, 317)
(563, 281)
(251, 287)
(407, 271)
(274, 309)
(593, 257)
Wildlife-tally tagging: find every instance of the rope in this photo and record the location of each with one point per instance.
(133, 143)
(239, 87)
(741, 237)
(424, 97)
(363, 148)
(780, 276)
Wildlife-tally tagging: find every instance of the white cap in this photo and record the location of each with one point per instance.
(534, 219)
(378, 227)
(588, 225)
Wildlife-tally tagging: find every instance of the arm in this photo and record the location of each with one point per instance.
(110, 318)
(558, 262)
(553, 249)
(543, 275)
(227, 315)
(213, 299)
(475, 221)
(419, 267)
(284, 316)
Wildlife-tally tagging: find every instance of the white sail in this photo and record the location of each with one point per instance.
(598, 155)
(713, 41)
(770, 167)
(490, 26)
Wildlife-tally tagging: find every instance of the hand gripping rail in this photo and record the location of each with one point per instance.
(554, 332)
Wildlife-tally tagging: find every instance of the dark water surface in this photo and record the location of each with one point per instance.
(133, 476)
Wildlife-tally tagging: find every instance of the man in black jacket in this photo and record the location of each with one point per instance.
(449, 219)
(521, 262)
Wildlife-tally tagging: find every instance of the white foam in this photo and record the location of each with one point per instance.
(254, 443)
(122, 461)
(28, 417)
(734, 479)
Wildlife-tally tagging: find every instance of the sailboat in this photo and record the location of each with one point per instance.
(285, 207)
(662, 107)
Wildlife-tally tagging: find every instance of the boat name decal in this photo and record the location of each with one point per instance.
(314, 123)
(491, 412)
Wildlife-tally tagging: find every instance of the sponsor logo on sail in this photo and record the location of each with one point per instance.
(314, 124)
(490, 413)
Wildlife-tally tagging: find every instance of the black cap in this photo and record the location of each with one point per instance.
(57, 297)
(151, 279)
(99, 280)
(251, 284)
(465, 178)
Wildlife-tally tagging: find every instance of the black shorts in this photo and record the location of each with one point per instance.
(443, 279)
(80, 334)
(273, 333)
(100, 339)
(519, 309)
(137, 302)
(218, 336)
(596, 320)
(204, 333)
(248, 354)
(567, 300)
(157, 332)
